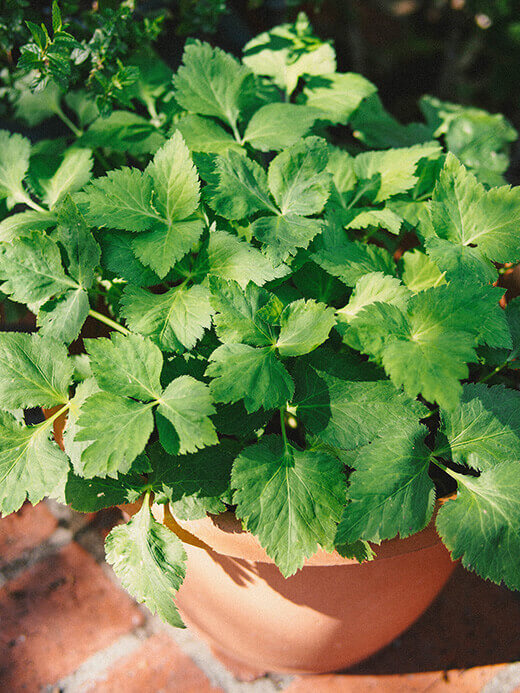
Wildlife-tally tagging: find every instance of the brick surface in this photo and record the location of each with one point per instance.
(159, 665)
(470, 681)
(24, 530)
(55, 615)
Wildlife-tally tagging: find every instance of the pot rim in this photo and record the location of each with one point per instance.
(223, 534)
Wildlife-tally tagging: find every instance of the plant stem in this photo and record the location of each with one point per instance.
(68, 122)
(25, 199)
(282, 427)
(51, 419)
(493, 372)
(108, 321)
(236, 132)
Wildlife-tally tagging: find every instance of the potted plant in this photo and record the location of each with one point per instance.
(306, 349)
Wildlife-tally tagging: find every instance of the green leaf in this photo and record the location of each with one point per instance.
(31, 465)
(119, 258)
(16, 225)
(419, 272)
(337, 95)
(482, 525)
(195, 484)
(348, 414)
(376, 128)
(240, 371)
(484, 430)
(34, 371)
(149, 559)
(427, 350)
(288, 52)
(210, 82)
(291, 499)
(63, 317)
(73, 173)
(349, 260)
(117, 429)
(33, 107)
(244, 316)
(230, 258)
(187, 405)
(162, 248)
(74, 448)
(128, 365)
(176, 183)
(284, 234)
(122, 131)
(204, 135)
(83, 253)
(240, 188)
(479, 139)
(304, 325)
(91, 495)
(374, 287)
(394, 169)
(460, 261)
(123, 199)
(279, 125)
(298, 178)
(14, 162)
(364, 218)
(32, 270)
(390, 491)
(174, 320)
(466, 214)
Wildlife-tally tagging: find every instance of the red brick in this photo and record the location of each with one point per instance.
(159, 665)
(55, 615)
(24, 530)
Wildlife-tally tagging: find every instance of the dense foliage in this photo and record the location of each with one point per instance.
(307, 334)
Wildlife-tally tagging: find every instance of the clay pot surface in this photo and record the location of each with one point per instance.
(330, 615)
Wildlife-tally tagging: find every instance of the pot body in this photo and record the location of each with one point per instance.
(330, 615)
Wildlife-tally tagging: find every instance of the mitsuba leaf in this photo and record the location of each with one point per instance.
(481, 525)
(291, 499)
(32, 269)
(149, 559)
(128, 365)
(34, 371)
(83, 253)
(389, 491)
(195, 484)
(465, 214)
(174, 320)
(484, 430)
(31, 464)
(304, 325)
(210, 82)
(288, 52)
(14, 162)
(240, 371)
(63, 317)
(279, 125)
(117, 429)
(91, 495)
(187, 405)
(350, 413)
(337, 95)
(73, 173)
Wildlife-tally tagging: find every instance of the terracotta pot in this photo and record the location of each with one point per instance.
(330, 615)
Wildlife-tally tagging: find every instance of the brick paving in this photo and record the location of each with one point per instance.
(67, 627)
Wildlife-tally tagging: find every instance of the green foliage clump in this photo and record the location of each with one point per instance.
(272, 350)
